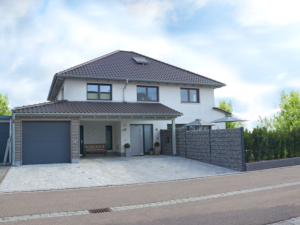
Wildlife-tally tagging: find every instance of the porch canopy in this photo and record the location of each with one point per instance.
(99, 109)
(91, 110)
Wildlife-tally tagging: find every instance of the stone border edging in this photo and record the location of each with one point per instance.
(271, 164)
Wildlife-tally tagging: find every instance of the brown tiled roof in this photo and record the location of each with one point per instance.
(221, 110)
(120, 65)
(102, 108)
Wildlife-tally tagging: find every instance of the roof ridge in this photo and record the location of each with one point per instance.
(88, 62)
(39, 104)
(177, 67)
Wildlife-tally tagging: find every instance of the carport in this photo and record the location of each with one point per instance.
(50, 133)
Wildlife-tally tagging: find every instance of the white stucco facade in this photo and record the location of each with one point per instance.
(169, 95)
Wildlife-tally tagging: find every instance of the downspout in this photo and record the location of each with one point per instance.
(13, 136)
(124, 90)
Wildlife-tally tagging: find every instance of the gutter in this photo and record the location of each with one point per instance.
(94, 114)
(124, 90)
(167, 82)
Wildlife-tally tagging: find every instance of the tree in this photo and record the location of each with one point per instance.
(227, 106)
(289, 115)
(4, 109)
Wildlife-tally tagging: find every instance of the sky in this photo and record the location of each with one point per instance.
(252, 46)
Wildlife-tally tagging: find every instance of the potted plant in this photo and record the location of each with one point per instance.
(156, 145)
(127, 149)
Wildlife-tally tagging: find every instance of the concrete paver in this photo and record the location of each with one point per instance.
(106, 171)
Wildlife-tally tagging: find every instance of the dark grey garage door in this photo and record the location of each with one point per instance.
(4, 135)
(45, 142)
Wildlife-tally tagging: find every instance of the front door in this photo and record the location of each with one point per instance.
(108, 136)
(136, 139)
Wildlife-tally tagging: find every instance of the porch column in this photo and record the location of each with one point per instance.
(174, 137)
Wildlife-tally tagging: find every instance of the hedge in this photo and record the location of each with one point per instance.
(261, 144)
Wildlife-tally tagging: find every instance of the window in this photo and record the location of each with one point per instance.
(189, 95)
(99, 92)
(145, 93)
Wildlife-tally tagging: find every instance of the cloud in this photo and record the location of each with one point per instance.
(267, 12)
(40, 38)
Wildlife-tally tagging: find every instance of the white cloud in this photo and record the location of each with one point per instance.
(62, 36)
(280, 76)
(267, 12)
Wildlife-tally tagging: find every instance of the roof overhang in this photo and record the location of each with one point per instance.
(58, 81)
(221, 110)
(92, 116)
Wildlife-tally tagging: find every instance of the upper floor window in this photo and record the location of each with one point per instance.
(99, 92)
(147, 93)
(189, 95)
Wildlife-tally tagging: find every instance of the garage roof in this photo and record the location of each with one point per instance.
(102, 108)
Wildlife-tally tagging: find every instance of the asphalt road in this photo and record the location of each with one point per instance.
(260, 207)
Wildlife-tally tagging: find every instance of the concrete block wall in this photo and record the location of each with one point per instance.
(218, 147)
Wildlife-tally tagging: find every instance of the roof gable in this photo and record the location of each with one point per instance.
(120, 65)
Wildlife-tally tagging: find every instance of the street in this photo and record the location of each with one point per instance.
(261, 197)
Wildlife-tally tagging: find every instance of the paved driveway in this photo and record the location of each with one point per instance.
(97, 172)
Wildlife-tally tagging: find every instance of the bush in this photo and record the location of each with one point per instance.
(261, 144)
(156, 144)
(127, 145)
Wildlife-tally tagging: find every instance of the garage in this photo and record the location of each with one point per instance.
(4, 135)
(45, 142)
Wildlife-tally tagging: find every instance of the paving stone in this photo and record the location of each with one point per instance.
(105, 171)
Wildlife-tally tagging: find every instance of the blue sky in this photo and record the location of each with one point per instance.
(251, 45)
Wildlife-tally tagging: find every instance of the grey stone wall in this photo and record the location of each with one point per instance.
(166, 142)
(218, 147)
(272, 164)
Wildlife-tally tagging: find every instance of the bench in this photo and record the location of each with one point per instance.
(94, 148)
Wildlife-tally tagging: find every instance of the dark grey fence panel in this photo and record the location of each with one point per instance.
(218, 147)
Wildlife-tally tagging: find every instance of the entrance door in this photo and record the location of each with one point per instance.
(108, 135)
(148, 137)
(136, 139)
(81, 140)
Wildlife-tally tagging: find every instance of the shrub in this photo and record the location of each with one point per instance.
(261, 144)
(127, 145)
(156, 144)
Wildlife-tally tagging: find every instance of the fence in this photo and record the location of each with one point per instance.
(218, 147)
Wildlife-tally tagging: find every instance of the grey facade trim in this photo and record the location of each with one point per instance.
(75, 161)
(122, 154)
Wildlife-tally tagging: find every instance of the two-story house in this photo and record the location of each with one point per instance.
(122, 97)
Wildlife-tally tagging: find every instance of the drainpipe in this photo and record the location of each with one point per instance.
(13, 136)
(124, 90)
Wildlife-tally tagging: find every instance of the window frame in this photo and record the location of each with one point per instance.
(190, 89)
(98, 92)
(157, 93)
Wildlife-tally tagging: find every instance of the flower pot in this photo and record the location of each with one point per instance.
(156, 150)
(127, 152)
